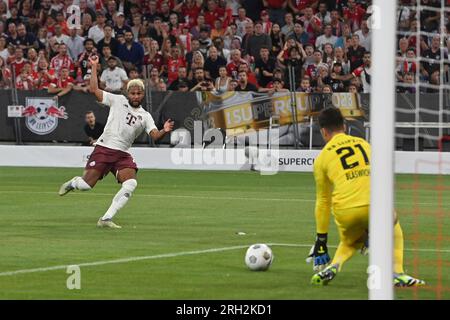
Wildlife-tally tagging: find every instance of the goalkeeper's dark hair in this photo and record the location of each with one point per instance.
(331, 119)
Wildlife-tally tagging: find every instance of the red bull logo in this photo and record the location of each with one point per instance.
(42, 114)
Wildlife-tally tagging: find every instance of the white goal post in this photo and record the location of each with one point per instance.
(382, 114)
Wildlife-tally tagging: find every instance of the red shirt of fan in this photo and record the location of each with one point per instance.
(232, 68)
(172, 68)
(17, 66)
(217, 14)
(62, 83)
(45, 79)
(156, 62)
(190, 14)
(302, 4)
(58, 62)
(24, 83)
(354, 15)
(275, 4)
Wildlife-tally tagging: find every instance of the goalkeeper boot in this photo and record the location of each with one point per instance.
(66, 187)
(403, 280)
(107, 223)
(323, 277)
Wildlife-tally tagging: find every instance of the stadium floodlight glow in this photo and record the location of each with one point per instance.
(382, 113)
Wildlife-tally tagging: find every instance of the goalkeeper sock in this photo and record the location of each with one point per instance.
(343, 253)
(79, 184)
(398, 249)
(121, 198)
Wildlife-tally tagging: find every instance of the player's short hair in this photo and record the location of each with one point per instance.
(331, 119)
(135, 83)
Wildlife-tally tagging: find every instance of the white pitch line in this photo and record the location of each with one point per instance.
(122, 260)
(170, 255)
(195, 197)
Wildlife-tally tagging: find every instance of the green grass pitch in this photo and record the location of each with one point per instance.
(173, 218)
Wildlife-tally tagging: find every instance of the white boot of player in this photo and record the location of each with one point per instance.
(76, 183)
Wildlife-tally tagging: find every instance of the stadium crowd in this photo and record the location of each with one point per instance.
(223, 45)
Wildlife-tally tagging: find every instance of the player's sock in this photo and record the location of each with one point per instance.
(398, 249)
(343, 253)
(79, 184)
(121, 198)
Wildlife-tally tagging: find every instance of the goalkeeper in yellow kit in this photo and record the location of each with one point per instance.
(342, 174)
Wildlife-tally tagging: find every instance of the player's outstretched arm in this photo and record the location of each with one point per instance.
(158, 134)
(93, 84)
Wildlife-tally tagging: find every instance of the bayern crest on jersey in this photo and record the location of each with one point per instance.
(42, 114)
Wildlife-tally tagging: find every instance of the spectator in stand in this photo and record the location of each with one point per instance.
(236, 60)
(299, 34)
(5, 75)
(213, 13)
(264, 67)
(251, 76)
(312, 24)
(299, 6)
(266, 23)
(173, 62)
(433, 58)
(75, 44)
(223, 80)
(106, 54)
(305, 85)
(218, 31)
(327, 37)
(113, 79)
(92, 128)
(62, 60)
(353, 14)
(120, 26)
(24, 81)
(277, 9)
(63, 84)
(182, 76)
(154, 79)
(241, 21)
(18, 61)
(213, 63)
(243, 84)
(198, 62)
(131, 53)
(25, 39)
(33, 59)
(221, 51)
(83, 65)
(323, 14)
(288, 25)
(97, 32)
(278, 39)
(257, 40)
(44, 76)
(59, 36)
(204, 40)
(153, 57)
(336, 23)
(108, 40)
(364, 35)
(355, 53)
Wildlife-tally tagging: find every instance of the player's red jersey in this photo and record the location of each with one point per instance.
(172, 68)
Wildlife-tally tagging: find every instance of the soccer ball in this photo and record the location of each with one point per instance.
(259, 257)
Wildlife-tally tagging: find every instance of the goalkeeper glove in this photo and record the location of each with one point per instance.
(319, 253)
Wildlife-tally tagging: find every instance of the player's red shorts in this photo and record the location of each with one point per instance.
(108, 160)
